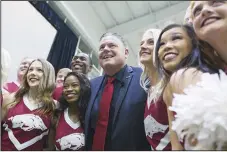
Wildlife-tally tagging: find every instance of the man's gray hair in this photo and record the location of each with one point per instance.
(116, 35)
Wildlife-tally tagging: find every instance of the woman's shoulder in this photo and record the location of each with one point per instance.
(183, 78)
(185, 73)
(180, 80)
(8, 98)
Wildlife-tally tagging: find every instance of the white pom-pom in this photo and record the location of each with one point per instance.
(202, 112)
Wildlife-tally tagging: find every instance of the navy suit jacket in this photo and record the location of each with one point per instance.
(128, 131)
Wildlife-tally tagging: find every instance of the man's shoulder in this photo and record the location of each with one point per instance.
(133, 69)
(136, 69)
(96, 79)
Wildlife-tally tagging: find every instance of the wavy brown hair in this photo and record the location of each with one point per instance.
(44, 91)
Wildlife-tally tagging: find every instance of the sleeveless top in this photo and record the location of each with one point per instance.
(24, 128)
(57, 93)
(157, 125)
(69, 135)
(11, 87)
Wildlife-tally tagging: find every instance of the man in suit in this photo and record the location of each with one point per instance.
(116, 124)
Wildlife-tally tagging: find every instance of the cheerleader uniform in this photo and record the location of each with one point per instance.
(12, 87)
(25, 128)
(157, 125)
(57, 93)
(69, 135)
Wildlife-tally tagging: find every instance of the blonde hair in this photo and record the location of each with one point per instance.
(45, 89)
(192, 3)
(191, 6)
(5, 65)
(144, 78)
(187, 14)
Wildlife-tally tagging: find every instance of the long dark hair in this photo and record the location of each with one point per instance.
(197, 58)
(85, 93)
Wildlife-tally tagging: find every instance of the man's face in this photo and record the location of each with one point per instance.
(23, 66)
(81, 64)
(61, 76)
(112, 53)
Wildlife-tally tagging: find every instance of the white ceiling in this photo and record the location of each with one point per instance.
(91, 19)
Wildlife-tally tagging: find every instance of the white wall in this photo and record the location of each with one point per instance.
(25, 32)
(86, 15)
(83, 20)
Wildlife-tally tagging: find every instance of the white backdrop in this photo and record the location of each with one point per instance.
(25, 32)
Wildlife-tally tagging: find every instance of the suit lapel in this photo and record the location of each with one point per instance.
(97, 84)
(127, 79)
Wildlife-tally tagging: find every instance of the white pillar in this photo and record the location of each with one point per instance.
(78, 44)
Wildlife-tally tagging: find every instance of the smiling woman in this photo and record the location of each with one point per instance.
(181, 63)
(210, 24)
(35, 74)
(147, 59)
(68, 122)
(28, 111)
(174, 47)
(155, 109)
(71, 89)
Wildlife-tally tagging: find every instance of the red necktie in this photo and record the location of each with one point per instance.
(103, 117)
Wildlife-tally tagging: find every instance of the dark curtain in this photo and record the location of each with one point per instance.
(65, 42)
(62, 50)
